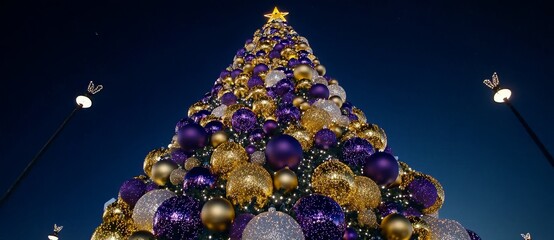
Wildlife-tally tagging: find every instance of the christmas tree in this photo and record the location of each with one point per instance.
(275, 151)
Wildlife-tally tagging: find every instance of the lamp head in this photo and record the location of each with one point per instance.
(500, 94)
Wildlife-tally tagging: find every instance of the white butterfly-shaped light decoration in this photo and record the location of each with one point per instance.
(57, 228)
(526, 236)
(92, 89)
(492, 84)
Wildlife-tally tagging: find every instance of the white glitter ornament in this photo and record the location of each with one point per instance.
(273, 77)
(177, 176)
(336, 90)
(321, 80)
(331, 108)
(258, 157)
(219, 111)
(143, 213)
(446, 229)
(272, 225)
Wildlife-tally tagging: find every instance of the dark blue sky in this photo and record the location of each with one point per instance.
(414, 67)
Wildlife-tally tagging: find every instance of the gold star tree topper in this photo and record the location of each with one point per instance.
(276, 15)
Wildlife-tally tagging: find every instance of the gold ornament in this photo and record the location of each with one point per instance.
(257, 93)
(197, 107)
(338, 130)
(421, 228)
(367, 218)
(218, 138)
(241, 92)
(152, 157)
(304, 106)
(315, 119)
(333, 179)
(142, 235)
(247, 182)
(440, 197)
(217, 214)
(285, 179)
(303, 72)
(177, 176)
(320, 70)
(208, 119)
(356, 125)
(364, 195)
(374, 135)
(276, 15)
(302, 135)
(226, 157)
(396, 227)
(115, 230)
(337, 100)
(361, 116)
(247, 68)
(264, 107)
(229, 111)
(191, 162)
(242, 79)
(303, 84)
(162, 170)
(297, 101)
(117, 211)
(333, 81)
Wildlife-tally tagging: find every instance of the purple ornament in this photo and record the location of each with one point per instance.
(260, 53)
(224, 74)
(183, 122)
(192, 137)
(352, 117)
(423, 192)
(243, 120)
(250, 149)
(388, 150)
(229, 98)
(131, 190)
(283, 151)
(325, 139)
(283, 86)
(350, 234)
(278, 47)
(239, 224)
(235, 73)
(241, 52)
(270, 127)
(151, 186)
(274, 54)
(411, 211)
(382, 168)
(216, 88)
(287, 113)
(196, 117)
(179, 156)
(306, 61)
(199, 178)
(355, 151)
(256, 135)
(320, 217)
(249, 57)
(213, 126)
(287, 98)
(388, 208)
(303, 53)
(293, 62)
(473, 235)
(255, 81)
(178, 218)
(260, 68)
(319, 90)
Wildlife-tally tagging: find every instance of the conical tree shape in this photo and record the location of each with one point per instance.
(276, 151)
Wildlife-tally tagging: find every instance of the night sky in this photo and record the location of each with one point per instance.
(415, 68)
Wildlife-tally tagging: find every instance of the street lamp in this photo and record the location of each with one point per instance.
(54, 235)
(502, 95)
(82, 101)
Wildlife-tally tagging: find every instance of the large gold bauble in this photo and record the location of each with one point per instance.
(333, 179)
(142, 235)
(191, 163)
(315, 119)
(338, 130)
(217, 214)
(242, 80)
(303, 72)
(264, 107)
(285, 179)
(257, 93)
(117, 211)
(241, 92)
(218, 138)
(297, 101)
(161, 171)
(364, 195)
(421, 228)
(337, 100)
(320, 70)
(151, 158)
(226, 157)
(367, 218)
(374, 135)
(396, 227)
(115, 230)
(304, 137)
(333, 81)
(197, 107)
(247, 182)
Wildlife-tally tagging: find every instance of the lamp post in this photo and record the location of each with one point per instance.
(502, 95)
(82, 101)
(54, 235)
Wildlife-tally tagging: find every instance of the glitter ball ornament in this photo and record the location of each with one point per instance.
(257, 157)
(143, 213)
(396, 227)
(368, 219)
(382, 168)
(247, 182)
(336, 90)
(117, 230)
(177, 176)
(243, 120)
(445, 229)
(350, 234)
(283, 151)
(330, 107)
(422, 191)
(178, 218)
(219, 111)
(365, 194)
(192, 137)
(333, 179)
(325, 139)
(226, 157)
(473, 235)
(264, 107)
(356, 151)
(319, 217)
(131, 190)
(213, 127)
(217, 214)
(178, 156)
(272, 225)
(375, 135)
(303, 136)
(191, 162)
(273, 77)
(315, 119)
(421, 228)
(239, 224)
(117, 211)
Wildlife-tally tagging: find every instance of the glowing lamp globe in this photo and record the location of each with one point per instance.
(53, 236)
(502, 94)
(83, 101)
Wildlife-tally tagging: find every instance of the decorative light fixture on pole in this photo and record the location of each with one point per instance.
(54, 235)
(82, 101)
(502, 95)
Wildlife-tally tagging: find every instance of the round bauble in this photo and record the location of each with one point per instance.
(247, 182)
(283, 151)
(319, 217)
(115, 230)
(314, 119)
(186, 226)
(303, 72)
(382, 168)
(243, 120)
(226, 157)
(396, 227)
(218, 138)
(285, 179)
(333, 179)
(272, 225)
(162, 170)
(152, 157)
(365, 194)
(131, 191)
(191, 137)
(199, 178)
(217, 214)
(142, 235)
(239, 224)
(143, 213)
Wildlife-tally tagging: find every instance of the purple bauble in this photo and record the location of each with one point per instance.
(288, 98)
(388, 208)
(179, 156)
(319, 90)
(473, 235)
(224, 74)
(411, 211)
(256, 135)
(422, 191)
(216, 88)
(274, 54)
(325, 139)
(260, 68)
(382, 168)
(249, 57)
(293, 62)
(213, 126)
(131, 190)
(305, 61)
(239, 224)
(283, 86)
(191, 137)
(229, 98)
(287, 113)
(355, 151)
(350, 234)
(278, 47)
(196, 117)
(250, 149)
(178, 218)
(243, 120)
(235, 73)
(283, 151)
(255, 81)
(199, 178)
(241, 52)
(320, 217)
(151, 186)
(270, 127)
(183, 122)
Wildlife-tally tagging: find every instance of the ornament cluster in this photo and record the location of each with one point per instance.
(275, 151)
